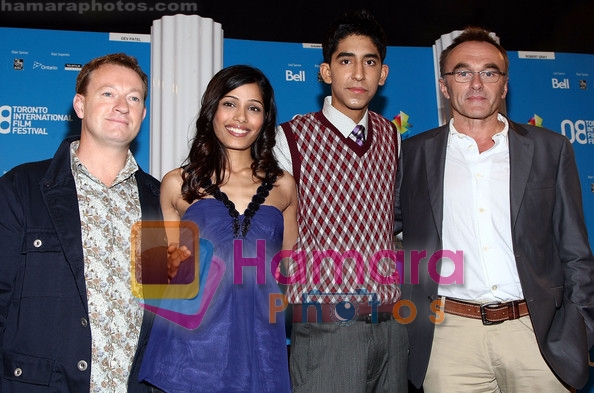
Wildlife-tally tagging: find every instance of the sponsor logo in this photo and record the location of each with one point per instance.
(296, 77)
(18, 64)
(41, 66)
(560, 83)
(535, 120)
(72, 67)
(402, 124)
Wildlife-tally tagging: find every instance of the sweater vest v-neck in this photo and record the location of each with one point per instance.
(346, 210)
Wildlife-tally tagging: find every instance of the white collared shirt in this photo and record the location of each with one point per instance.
(477, 219)
(342, 122)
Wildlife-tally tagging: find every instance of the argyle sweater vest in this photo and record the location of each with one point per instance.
(345, 248)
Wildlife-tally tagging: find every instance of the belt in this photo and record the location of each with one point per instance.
(489, 313)
(383, 313)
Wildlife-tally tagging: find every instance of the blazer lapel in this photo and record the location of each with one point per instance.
(521, 152)
(435, 152)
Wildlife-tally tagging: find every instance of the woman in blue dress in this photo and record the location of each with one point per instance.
(239, 345)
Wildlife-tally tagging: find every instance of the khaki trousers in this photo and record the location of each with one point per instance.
(470, 357)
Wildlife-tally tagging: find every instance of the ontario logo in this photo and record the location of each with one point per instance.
(41, 66)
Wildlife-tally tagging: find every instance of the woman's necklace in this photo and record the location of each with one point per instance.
(252, 208)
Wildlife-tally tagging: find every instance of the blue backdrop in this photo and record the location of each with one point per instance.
(409, 92)
(38, 71)
(39, 68)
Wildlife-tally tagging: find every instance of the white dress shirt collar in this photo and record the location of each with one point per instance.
(342, 122)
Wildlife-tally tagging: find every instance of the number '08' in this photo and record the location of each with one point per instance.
(575, 132)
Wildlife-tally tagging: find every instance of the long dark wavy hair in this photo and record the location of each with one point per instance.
(208, 158)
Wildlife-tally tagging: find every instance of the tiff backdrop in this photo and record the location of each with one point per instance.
(38, 70)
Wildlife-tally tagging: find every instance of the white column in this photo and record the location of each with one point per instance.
(443, 105)
(186, 51)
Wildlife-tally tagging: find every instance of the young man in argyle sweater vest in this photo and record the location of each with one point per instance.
(344, 337)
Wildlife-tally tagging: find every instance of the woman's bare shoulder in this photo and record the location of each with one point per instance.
(173, 178)
(286, 178)
(286, 181)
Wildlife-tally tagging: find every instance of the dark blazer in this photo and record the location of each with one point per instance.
(550, 243)
(45, 336)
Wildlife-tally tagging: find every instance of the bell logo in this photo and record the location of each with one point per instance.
(563, 84)
(298, 77)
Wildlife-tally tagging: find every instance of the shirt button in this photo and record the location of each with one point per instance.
(37, 243)
(18, 372)
(84, 322)
(494, 287)
(82, 365)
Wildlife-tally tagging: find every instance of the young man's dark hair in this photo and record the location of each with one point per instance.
(359, 22)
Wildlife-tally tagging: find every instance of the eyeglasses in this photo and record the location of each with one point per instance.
(486, 76)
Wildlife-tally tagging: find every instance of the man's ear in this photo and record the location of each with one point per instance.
(384, 74)
(504, 93)
(443, 88)
(78, 103)
(325, 73)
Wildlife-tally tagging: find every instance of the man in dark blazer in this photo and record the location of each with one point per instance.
(65, 287)
(515, 313)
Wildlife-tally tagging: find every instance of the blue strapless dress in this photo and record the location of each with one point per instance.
(235, 348)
